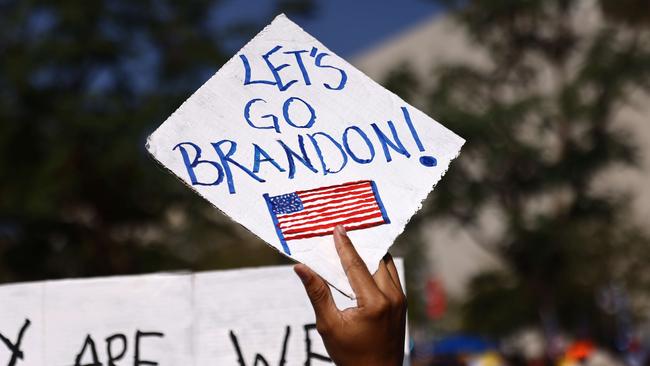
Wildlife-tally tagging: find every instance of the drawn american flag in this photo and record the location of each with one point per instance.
(315, 212)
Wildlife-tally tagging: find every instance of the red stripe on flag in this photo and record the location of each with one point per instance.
(330, 216)
(328, 195)
(325, 207)
(328, 190)
(329, 232)
(328, 211)
(332, 224)
(365, 195)
(305, 202)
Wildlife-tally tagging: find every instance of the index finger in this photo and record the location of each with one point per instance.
(361, 280)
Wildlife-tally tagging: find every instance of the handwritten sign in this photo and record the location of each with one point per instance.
(96, 322)
(290, 140)
(21, 325)
(241, 318)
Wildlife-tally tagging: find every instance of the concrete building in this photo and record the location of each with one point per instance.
(455, 255)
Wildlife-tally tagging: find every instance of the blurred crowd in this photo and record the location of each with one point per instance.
(528, 349)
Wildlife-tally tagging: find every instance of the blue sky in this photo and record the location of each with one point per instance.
(347, 27)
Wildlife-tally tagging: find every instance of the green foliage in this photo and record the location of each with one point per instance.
(82, 83)
(540, 117)
(486, 313)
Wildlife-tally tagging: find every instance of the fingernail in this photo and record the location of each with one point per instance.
(340, 229)
(304, 275)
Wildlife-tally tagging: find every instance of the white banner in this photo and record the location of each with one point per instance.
(249, 317)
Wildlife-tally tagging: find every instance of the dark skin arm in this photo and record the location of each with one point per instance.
(371, 334)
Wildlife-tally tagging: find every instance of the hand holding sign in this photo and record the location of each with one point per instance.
(290, 140)
(370, 333)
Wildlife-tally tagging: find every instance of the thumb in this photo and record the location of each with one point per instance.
(318, 292)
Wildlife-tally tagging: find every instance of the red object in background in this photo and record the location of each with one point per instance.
(436, 299)
(634, 345)
(579, 350)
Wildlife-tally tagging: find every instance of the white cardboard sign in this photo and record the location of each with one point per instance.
(290, 140)
(143, 319)
(241, 318)
(21, 325)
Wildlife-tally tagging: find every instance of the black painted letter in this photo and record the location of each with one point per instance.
(259, 358)
(16, 353)
(310, 354)
(109, 349)
(90, 344)
(138, 335)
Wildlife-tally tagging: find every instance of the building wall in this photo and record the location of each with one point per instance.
(456, 255)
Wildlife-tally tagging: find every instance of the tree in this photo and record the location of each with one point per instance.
(541, 122)
(82, 83)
